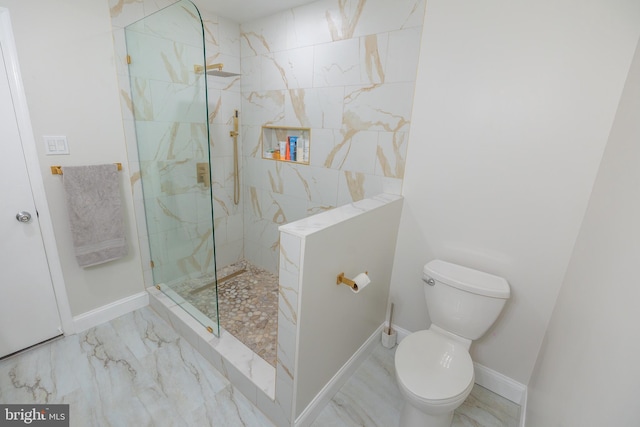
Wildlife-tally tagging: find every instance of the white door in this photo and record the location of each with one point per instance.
(28, 309)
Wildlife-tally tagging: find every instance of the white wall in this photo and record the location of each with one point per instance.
(65, 49)
(587, 371)
(514, 102)
(333, 321)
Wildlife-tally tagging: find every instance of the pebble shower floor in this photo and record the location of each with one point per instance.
(248, 304)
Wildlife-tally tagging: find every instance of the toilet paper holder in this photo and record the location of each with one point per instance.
(341, 280)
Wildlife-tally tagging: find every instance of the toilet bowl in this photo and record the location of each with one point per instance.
(434, 370)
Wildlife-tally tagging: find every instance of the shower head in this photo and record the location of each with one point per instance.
(213, 70)
(218, 73)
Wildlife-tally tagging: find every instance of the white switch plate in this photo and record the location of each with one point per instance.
(54, 145)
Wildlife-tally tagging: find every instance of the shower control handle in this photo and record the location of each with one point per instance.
(23, 216)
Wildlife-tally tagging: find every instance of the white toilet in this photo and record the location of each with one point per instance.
(433, 367)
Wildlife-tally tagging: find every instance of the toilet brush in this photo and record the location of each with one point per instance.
(388, 334)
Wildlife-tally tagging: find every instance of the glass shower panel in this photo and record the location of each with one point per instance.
(169, 102)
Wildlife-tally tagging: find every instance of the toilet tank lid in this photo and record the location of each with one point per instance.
(467, 279)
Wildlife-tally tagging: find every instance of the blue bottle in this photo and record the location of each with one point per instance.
(293, 142)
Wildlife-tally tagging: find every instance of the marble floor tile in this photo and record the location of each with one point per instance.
(371, 398)
(137, 371)
(133, 371)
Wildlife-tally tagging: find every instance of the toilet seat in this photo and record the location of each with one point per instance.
(434, 369)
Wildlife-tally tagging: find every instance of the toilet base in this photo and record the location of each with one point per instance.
(413, 417)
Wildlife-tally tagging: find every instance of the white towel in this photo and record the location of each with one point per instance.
(95, 213)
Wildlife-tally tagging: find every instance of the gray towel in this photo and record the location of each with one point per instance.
(95, 213)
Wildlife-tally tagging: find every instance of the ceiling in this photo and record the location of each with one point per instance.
(247, 10)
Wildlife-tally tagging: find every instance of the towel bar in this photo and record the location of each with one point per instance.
(57, 170)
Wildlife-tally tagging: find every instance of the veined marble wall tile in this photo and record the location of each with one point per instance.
(402, 55)
(385, 107)
(161, 59)
(222, 185)
(282, 209)
(152, 6)
(229, 37)
(315, 107)
(141, 92)
(391, 154)
(323, 142)
(221, 142)
(120, 48)
(178, 27)
(310, 184)
(355, 152)
(212, 42)
(125, 12)
(264, 35)
(274, 182)
(251, 138)
(263, 107)
(169, 212)
(256, 174)
(222, 106)
(373, 54)
(380, 16)
(343, 21)
(337, 63)
(229, 253)
(126, 103)
(171, 141)
(289, 276)
(307, 25)
(178, 102)
(251, 73)
(290, 69)
(355, 186)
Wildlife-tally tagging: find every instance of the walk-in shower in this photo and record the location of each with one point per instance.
(191, 179)
(171, 119)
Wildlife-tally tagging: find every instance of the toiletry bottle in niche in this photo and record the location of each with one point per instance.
(282, 147)
(305, 149)
(287, 155)
(293, 142)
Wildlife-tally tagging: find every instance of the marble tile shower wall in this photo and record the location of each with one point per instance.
(181, 138)
(346, 69)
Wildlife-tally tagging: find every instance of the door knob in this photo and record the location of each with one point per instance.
(23, 216)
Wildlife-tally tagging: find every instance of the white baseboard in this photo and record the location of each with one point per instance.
(316, 406)
(488, 378)
(500, 384)
(523, 410)
(110, 311)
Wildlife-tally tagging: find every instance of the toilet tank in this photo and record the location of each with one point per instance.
(461, 300)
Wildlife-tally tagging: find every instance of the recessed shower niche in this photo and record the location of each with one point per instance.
(286, 143)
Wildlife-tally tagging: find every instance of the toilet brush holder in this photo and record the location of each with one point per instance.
(389, 337)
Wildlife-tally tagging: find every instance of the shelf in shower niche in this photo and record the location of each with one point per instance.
(276, 139)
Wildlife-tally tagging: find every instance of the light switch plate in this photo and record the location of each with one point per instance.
(55, 145)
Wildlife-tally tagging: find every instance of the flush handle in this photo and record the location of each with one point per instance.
(430, 282)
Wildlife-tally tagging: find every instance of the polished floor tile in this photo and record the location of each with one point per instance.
(132, 371)
(371, 398)
(137, 371)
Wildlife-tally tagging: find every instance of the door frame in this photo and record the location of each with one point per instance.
(33, 169)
